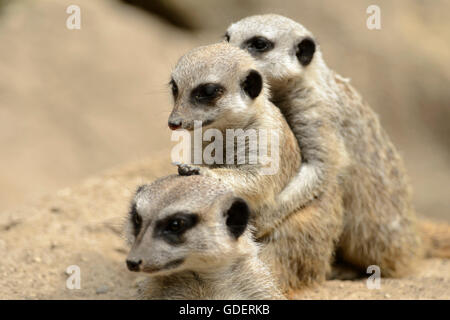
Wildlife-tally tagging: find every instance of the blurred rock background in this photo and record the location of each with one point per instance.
(76, 102)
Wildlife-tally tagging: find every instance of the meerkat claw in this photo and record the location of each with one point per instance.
(187, 170)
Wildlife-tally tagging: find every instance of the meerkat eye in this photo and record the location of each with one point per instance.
(173, 227)
(207, 93)
(209, 90)
(174, 88)
(227, 37)
(176, 225)
(259, 44)
(136, 219)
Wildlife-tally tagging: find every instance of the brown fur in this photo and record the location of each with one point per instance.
(341, 140)
(436, 238)
(299, 244)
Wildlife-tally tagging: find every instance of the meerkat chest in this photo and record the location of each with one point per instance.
(234, 147)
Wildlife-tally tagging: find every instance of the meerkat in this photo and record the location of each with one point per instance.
(220, 86)
(190, 235)
(340, 137)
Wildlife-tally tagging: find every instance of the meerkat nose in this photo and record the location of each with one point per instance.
(133, 265)
(174, 125)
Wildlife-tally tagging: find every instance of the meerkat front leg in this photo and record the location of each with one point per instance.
(322, 160)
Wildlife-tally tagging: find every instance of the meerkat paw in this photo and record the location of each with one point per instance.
(187, 169)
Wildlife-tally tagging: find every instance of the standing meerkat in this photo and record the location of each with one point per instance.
(330, 118)
(190, 235)
(220, 86)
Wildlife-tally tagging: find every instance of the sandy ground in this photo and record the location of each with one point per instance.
(82, 226)
(78, 226)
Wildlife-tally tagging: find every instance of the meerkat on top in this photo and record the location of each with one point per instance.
(220, 85)
(340, 138)
(190, 235)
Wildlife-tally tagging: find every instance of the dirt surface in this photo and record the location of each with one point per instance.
(82, 226)
(79, 226)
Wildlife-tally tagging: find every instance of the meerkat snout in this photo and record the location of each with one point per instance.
(174, 124)
(133, 264)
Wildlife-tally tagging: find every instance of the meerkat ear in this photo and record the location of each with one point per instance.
(305, 51)
(253, 83)
(237, 217)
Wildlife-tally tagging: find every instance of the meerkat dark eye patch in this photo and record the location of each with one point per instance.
(172, 228)
(174, 88)
(136, 219)
(227, 37)
(305, 51)
(257, 45)
(207, 93)
(252, 85)
(237, 217)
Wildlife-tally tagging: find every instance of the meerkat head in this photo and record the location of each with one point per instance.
(185, 223)
(283, 48)
(215, 84)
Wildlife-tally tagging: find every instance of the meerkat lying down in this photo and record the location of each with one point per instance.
(190, 235)
(220, 85)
